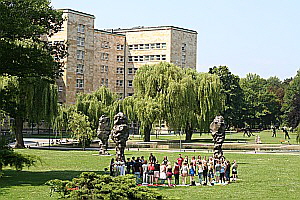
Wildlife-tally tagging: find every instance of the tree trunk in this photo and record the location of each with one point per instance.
(188, 134)
(147, 131)
(19, 132)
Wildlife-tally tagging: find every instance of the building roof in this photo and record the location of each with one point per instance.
(142, 28)
(67, 10)
(108, 32)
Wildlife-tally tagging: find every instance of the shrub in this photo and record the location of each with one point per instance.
(13, 159)
(90, 185)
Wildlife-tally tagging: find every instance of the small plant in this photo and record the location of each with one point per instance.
(8, 157)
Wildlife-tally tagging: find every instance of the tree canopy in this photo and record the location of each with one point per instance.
(183, 98)
(24, 50)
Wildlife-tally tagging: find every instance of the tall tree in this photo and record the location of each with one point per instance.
(24, 50)
(291, 106)
(32, 99)
(183, 98)
(260, 105)
(233, 93)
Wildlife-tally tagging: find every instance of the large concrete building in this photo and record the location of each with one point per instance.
(111, 57)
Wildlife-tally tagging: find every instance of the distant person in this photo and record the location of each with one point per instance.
(184, 172)
(176, 173)
(163, 175)
(274, 131)
(192, 173)
(234, 170)
(111, 167)
(180, 160)
(286, 133)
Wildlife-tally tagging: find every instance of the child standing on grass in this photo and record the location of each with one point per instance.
(192, 174)
(234, 170)
(205, 171)
(217, 170)
(210, 173)
(169, 173)
(222, 173)
(176, 172)
(184, 172)
(151, 169)
(145, 171)
(200, 172)
(163, 175)
(227, 170)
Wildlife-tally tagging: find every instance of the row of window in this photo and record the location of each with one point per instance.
(147, 46)
(119, 83)
(105, 45)
(146, 58)
(104, 68)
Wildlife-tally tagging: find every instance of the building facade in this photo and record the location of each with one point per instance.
(112, 57)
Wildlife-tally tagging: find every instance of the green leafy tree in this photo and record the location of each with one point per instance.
(183, 98)
(291, 106)
(80, 128)
(95, 104)
(24, 50)
(260, 105)
(32, 99)
(233, 94)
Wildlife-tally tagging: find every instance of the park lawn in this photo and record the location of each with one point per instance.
(265, 136)
(261, 176)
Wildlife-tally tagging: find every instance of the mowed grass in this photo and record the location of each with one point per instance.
(265, 136)
(261, 176)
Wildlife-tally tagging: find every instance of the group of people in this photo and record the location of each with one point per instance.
(209, 171)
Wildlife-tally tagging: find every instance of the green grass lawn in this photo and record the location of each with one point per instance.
(266, 137)
(261, 176)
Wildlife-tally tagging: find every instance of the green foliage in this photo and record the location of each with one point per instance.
(233, 93)
(260, 104)
(32, 99)
(24, 51)
(80, 128)
(90, 185)
(291, 106)
(93, 105)
(298, 134)
(8, 157)
(185, 99)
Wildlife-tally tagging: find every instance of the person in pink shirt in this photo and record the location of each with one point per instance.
(180, 160)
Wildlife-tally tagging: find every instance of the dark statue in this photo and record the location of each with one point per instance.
(120, 134)
(103, 133)
(217, 128)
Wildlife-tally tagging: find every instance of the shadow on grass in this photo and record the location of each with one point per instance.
(32, 178)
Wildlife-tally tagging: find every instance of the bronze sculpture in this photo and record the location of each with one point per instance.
(217, 128)
(103, 133)
(120, 134)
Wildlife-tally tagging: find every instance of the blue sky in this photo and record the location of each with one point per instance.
(249, 36)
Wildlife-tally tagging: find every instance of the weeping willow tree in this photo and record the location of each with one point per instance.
(151, 85)
(32, 99)
(185, 99)
(93, 105)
